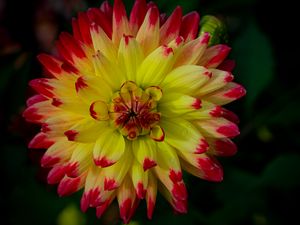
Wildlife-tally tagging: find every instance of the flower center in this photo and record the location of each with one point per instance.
(134, 111)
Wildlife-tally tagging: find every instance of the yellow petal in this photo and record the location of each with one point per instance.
(130, 56)
(186, 79)
(148, 34)
(109, 148)
(145, 150)
(139, 179)
(155, 67)
(183, 135)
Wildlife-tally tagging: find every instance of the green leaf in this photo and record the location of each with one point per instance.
(253, 54)
(283, 172)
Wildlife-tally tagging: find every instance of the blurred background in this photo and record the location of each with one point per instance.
(262, 181)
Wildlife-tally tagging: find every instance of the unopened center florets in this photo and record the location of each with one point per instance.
(134, 110)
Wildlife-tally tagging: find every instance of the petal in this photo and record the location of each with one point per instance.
(51, 64)
(137, 15)
(179, 206)
(107, 9)
(203, 166)
(227, 94)
(186, 79)
(130, 56)
(80, 161)
(108, 71)
(151, 194)
(214, 56)
(84, 27)
(99, 110)
(109, 148)
(167, 157)
(218, 80)
(56, 174)
(221, 147)
(218, 128)
(184, 136)
(170, 29)
(93, 88)
(87, 130)
(127, 200)
(189, 26)
(114, 174)
(148, 34)
(155, 67)
(176, 188)
(69, 185)
(102, 42)
(93, 191)
(145, 150)
(58, 153)
(175, 104)
(120, 22)
(192, 51)
(70, 104)
(207, 111)
(98, 17)
(41, 140)
(139, 179)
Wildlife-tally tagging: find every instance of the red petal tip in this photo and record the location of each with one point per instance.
(202, 146)
(148, 163)
(103, 162)
(71, 134)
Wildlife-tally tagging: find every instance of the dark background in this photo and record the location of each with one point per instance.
(262, 180)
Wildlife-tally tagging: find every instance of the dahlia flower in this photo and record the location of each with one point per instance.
(131, 102)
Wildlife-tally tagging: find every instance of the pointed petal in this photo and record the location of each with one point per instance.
(218, 128)
(227, 65)
(102, 42)
(189, 26)
(80, 161)
(114, 174)
(41, 140)
(107, 9)
(130, 56)
(109, 147)
(68, 185)
(56, 174)
(109, 71)
(193, 51)
(151, 194)
(93, 191)
(145, 150)
(186, 79)
(98, 17)
(175, 104)
(139, 179)
(120, 22)
(84, 27)
(148, 34)
(176, 188)
(137, 15)
(203, 166)
(227, 94)
(207, 111)
(214, 56)
(87, 130)
(221, 147)
(167, 157)
(170, 29)
(218, 80)
(58, 153)
(179, 206)
(91, 89)
(155, 67)
(51, 64)
(127, 200)
(184, 136)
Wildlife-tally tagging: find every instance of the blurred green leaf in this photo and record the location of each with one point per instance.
(283, 172)
(71, 215)
(255, 64)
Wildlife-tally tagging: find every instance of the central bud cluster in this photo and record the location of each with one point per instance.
(134, 111)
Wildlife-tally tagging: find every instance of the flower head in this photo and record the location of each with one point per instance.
(130, 103)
